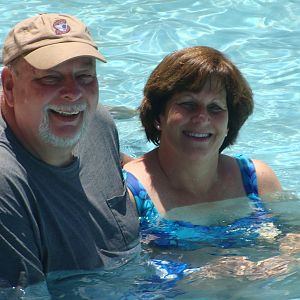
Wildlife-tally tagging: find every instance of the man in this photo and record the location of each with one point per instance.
(63, 203)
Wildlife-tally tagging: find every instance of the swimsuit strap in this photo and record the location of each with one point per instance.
(249, 178)
(143, 202)
(248, 173)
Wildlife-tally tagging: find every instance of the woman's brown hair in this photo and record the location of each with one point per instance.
(188, 70)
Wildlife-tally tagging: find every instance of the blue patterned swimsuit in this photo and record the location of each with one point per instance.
(185, 235)
(164, 233)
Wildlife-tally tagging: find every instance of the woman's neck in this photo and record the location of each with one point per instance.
(192, 176)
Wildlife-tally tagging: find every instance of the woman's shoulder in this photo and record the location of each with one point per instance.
(266, 178)
(134, 165)
(229, 164)
(139, 164)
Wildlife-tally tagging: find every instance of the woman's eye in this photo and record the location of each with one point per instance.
(216, 108)
(188, 105)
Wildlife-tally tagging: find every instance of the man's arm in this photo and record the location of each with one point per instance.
(20, 263)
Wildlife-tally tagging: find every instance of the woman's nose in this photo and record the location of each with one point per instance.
(200, 115)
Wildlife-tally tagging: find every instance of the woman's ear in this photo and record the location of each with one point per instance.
(157, 125)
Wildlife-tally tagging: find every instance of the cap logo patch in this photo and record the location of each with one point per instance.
(61, 26)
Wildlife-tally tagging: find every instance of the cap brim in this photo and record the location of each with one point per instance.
(52, 55)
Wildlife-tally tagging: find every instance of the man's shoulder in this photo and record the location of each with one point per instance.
(9, 164)
(103, 121)
(103, 116)
(13, 179)
(102, 124)
(2, 122)
(101, 135)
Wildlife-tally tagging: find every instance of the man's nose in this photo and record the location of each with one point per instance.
(71, 90)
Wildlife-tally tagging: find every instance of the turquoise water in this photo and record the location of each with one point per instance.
(263, 39)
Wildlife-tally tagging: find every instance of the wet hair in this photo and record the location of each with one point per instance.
(188, 70)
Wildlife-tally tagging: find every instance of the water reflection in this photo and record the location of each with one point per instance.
(268, 269)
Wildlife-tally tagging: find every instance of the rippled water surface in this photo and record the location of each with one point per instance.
(263, 39)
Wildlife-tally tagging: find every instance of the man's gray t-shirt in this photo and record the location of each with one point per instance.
(63, 218)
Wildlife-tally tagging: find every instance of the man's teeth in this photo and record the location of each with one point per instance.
(67, 113)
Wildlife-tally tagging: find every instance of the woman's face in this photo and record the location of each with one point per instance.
(195, 123)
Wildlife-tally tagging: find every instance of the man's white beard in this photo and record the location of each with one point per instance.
(48, 137)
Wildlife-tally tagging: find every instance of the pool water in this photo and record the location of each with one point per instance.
(262, 38)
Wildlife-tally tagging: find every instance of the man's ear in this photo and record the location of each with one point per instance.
(7, 85)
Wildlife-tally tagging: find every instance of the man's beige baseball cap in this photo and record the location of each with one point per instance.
(48, 40)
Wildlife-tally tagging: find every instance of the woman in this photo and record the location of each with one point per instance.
(195, 102)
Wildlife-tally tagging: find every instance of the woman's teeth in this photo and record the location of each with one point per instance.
(198, 135)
